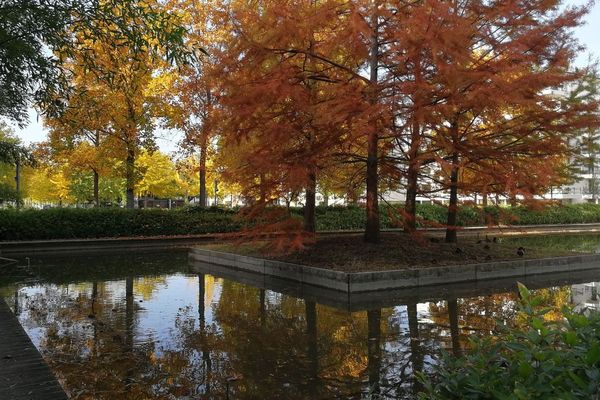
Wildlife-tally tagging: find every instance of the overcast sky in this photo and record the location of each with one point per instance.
(589, 35)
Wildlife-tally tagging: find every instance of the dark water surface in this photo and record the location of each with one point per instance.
(152, 326)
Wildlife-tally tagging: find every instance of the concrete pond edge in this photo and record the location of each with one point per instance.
(356, 282)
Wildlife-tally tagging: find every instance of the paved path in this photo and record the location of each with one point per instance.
(156, 242)
(521, 230)
(24, 375)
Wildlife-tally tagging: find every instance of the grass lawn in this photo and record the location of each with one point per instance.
(349, 253)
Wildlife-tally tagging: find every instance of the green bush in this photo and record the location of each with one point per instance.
(8, 193)
(543, 360)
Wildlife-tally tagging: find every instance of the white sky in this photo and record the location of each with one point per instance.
(589, 35)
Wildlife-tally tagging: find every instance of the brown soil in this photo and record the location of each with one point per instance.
(395, 251)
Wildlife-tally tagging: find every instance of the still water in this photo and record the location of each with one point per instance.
(152, 326)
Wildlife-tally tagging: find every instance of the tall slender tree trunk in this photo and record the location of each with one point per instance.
(18, 180)
(410, 206)
(202, 173)
(201, 295)
(311, 201)
(451, 234)
(129, 313)
(130, 178)
(94, 297)
(96, 189)
(454, 329)
(202, 328)
(416, 354)
(263, 188)
(374, 350)
(414, 165)
(372, 228)
(96, 142)
(311, 176)
(310, 308)
(16, 304)
(262, 310)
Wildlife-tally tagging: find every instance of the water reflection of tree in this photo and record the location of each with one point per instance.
(247, 342)
(480, 315)
(289, 348)
(472, 315)
(88, 340)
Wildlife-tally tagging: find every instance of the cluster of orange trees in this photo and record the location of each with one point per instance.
(295, 97)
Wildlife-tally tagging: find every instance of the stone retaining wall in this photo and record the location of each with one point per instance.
(395, 279)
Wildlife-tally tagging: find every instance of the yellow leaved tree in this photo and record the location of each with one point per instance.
(159, 176)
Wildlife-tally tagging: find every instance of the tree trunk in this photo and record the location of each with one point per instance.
(374, 350)
(262, 311)
(410, 206)
(311, 178)
(310, 203)
(96, 142)
(96, 189)
(416, 354)
(18, 181)
(202, 174)
(414, 165)
(372, 228)
(263, 189)
(451, 236)
(312, 341)
(130, 178)
(129, 313)
(201, 295)
(351, 197)
(513, 199)
(454, 330)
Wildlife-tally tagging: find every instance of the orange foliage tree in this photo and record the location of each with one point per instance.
(499, 116)
(287, 111)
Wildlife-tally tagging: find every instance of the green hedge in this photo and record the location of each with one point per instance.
(555, 214)
(68, 223)
(341, 218)
(64, 223)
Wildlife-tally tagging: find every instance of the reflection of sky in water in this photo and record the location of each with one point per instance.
(155, 316)
(177, 296)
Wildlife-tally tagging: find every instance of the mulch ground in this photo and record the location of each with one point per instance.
(349, 253)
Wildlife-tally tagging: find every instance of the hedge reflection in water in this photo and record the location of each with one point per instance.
(158, 333)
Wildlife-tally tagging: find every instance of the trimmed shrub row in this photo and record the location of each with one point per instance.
(432, 215)
(72, 223)
(68, 223)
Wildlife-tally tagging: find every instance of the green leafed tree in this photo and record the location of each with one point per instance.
(36, 36)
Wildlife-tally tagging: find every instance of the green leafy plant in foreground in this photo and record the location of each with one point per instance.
(539, 360)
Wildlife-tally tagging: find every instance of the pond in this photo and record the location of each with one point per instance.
(152, 326)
